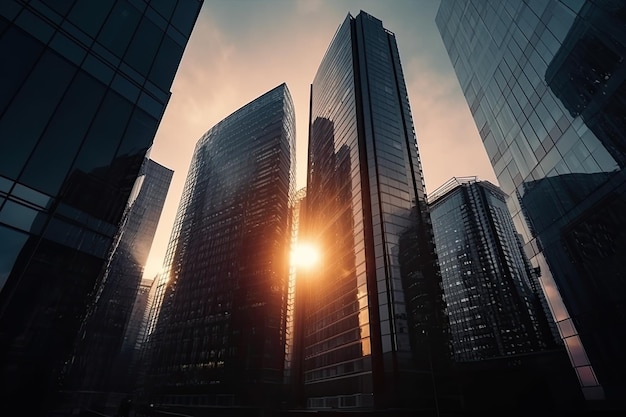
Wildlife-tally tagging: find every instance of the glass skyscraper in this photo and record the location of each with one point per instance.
(508, 356)
(374, 322)
(101, 360)
(493, 297)
(219, 337)
(83, 86)
(545, 82)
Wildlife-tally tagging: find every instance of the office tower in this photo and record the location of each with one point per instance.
(219, 338)
(136, 329)
(545, 84)
(374, 322)
(492, 294)
(101, 360)
(83, 88)
(291, 363)
(507, 351)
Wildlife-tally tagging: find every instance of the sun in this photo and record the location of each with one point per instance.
(305, 255)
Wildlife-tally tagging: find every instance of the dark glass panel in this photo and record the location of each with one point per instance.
(105, 133)
(11, 242)
(148, 103)
(31, 196)
(165, 7)
(20, 217)
(22, 51)
(140, 133)
(22, 124)
(8, 9)
(69, 48)
(119, 28)
(5, 185)
(36, 27)
(166, 63)
(90, 15)
(98, 69)
(55, 153)
(46, 11)
(125, 87)
(144, 46)
(60, 6)
(184, 17)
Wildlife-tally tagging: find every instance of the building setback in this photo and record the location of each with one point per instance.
(374, 322)
(83, 89)
(219, 338)
(545, 82)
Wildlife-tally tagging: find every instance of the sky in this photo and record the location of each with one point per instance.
(240, 49)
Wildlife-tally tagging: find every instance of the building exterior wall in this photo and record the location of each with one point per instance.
(494, 300)
(101, 362)
(219, 337)
(83, 88)
(365, 339)
(545, 84)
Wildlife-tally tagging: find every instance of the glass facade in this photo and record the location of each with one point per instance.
(99, 362)
(494, 301)
(83, 86)
(545, 82)
(297, 213)
(219, 337)
(373, 306)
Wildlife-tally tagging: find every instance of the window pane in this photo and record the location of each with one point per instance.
(89, 15)
(25, 119)
(184, 17)
(21, 217)
(22, 52)
(166, 63)
(144, 46)
(164, 7)
(140, 134)
(11, 243)
(119, 28)
(58, 147)
(60, 6)
(105, 134)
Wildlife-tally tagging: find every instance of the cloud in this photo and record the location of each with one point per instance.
(448, 141)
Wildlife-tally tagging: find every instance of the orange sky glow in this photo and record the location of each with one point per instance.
(240, 49)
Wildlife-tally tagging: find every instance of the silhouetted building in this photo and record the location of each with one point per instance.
(374, 324)
(98, 371)
(292, 370)
(136, 331)
(219, 338)
(494, 301)
(83, 88)
(545, 82)
(508, 353)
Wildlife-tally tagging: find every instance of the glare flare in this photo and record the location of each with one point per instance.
(305, 255)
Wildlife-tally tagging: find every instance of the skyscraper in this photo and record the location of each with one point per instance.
(291, 376)
(545, 82)
(101, 360)
(492, 294)
(508, 354)
(374, 322)
(83, 88)
(219, 337)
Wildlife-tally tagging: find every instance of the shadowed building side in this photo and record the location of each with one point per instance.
(219, 338)
(83, 88)
(374, 318)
